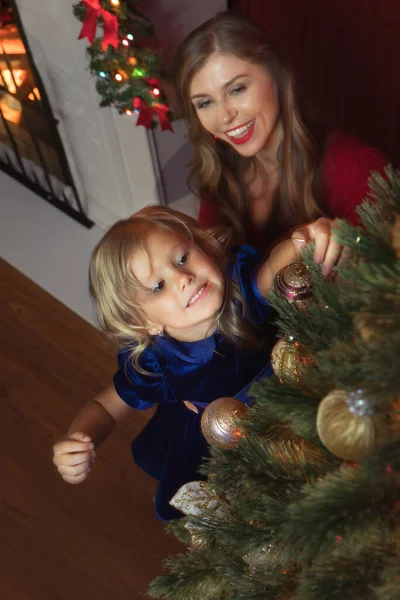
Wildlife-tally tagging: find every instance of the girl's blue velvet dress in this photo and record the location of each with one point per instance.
(172, 446)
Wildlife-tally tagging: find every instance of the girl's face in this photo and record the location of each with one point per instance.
(236, 101)
(183, 288)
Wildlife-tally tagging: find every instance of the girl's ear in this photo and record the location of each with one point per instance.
(154, 329)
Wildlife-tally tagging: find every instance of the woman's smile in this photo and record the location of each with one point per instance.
(241, 134)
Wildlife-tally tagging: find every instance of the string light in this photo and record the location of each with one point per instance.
(138, 72)
(130, 36)
(125, 42)
(156, 92)
(102, 74)
(118, 77)
(115, 2)
(128, 112)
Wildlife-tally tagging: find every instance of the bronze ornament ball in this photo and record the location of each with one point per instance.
(218, 422)
(294, 283)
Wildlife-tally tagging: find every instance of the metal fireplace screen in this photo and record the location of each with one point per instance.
(31, 149)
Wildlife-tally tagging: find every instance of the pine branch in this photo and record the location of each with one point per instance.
(192, 576)
(348, 573)
(276, 404)
(177, 528)
(351, 503)
(354, 366)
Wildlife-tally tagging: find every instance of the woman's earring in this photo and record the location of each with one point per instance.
(159, 333)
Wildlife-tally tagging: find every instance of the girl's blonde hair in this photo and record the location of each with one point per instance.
(217, 169)
(114, 288)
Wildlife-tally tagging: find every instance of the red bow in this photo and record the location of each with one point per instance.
(152, 81)
(146, 113)
(110, 24)
(162, 112)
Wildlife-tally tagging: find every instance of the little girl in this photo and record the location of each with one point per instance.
(185, 310)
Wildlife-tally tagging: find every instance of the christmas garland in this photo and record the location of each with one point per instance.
(125, 59)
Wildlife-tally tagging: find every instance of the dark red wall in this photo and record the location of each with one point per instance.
(346, 59)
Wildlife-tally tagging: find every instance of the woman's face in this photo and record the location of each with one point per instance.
(236, 101)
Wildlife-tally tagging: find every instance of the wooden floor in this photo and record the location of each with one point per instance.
(99, 540)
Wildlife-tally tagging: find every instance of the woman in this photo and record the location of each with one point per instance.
(258, 166)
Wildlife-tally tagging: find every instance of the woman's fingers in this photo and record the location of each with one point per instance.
(331, 257)
(328, 252)
(346, 254)
(320, 233)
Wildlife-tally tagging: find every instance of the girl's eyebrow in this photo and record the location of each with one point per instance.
(171, 251)
(227, 84)
(151, 275)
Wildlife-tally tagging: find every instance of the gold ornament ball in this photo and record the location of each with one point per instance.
(346, 434)
(218, 422)
(288, 358)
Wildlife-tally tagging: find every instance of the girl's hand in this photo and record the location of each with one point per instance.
(73, 457)
(327, 250)
(191, 406)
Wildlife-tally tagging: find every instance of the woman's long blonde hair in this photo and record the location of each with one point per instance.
(217, 169)
(114, 288)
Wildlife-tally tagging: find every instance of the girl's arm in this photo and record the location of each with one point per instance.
(74, 454)
(98, 418)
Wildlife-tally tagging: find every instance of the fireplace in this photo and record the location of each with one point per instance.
(31, 149)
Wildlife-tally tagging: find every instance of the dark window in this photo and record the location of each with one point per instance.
(31, 149)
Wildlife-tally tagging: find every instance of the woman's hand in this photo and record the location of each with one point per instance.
(327, 250)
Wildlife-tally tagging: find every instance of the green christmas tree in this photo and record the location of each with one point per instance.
(290, 518)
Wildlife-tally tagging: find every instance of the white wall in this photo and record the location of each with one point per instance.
(173, 20)
(46, 245)
(108, 154)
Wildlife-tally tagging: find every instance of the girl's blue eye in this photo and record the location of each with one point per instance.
(182, 260)
(158, 287)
